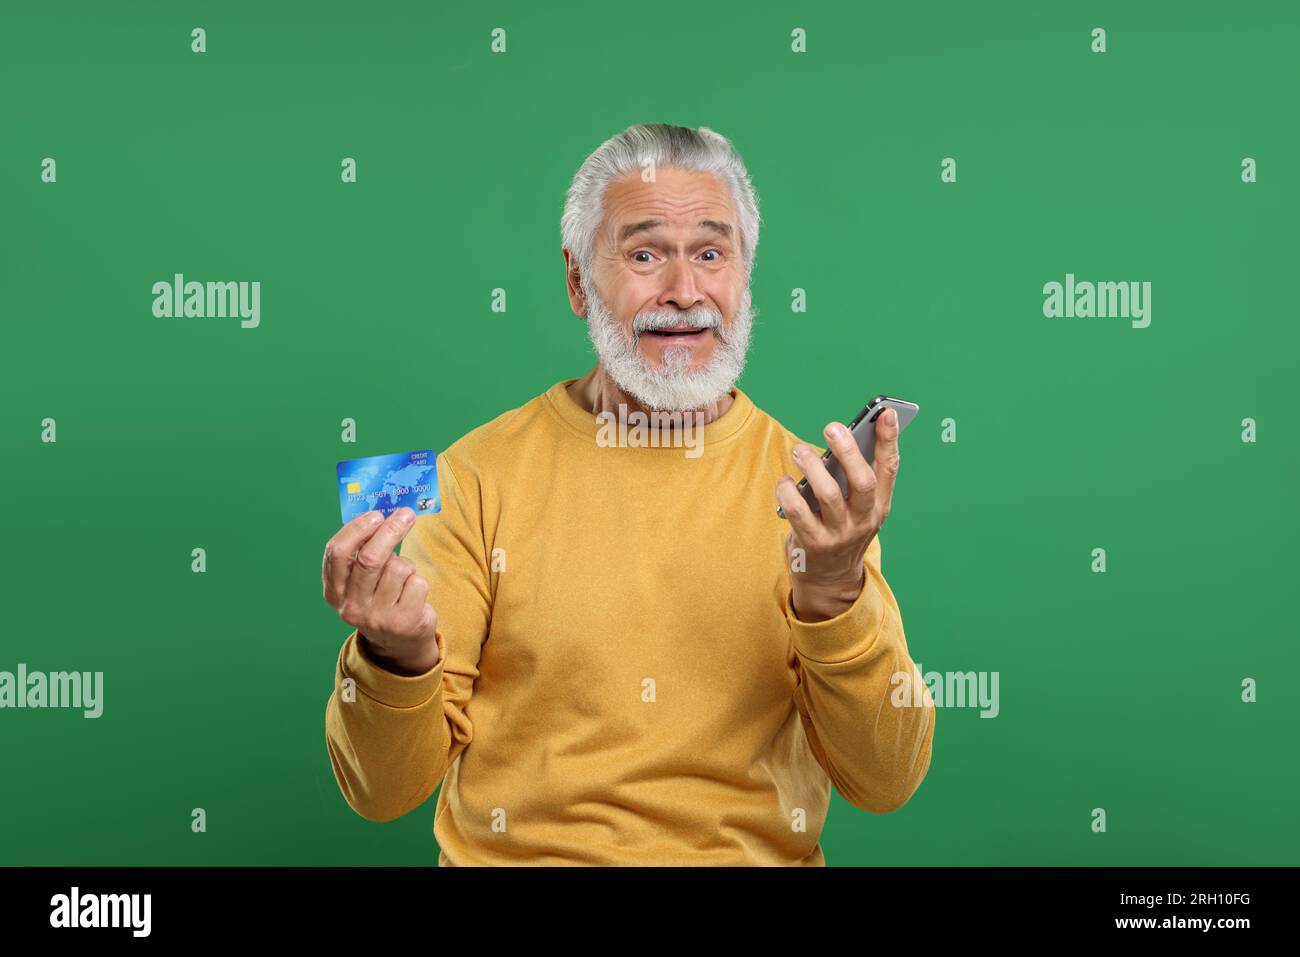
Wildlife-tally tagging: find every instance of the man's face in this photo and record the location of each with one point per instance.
(668, 303)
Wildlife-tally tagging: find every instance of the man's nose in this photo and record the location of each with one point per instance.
(681, 289)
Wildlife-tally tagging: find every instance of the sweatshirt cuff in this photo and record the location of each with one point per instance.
(394, 690)
(848, 635)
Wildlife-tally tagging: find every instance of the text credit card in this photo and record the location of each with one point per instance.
(387, 482)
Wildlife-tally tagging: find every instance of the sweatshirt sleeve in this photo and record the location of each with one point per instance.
(875, 750)
(392, 737)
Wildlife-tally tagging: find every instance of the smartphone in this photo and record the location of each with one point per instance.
(863, 429)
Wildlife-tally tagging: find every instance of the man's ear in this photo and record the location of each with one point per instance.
(573, 284)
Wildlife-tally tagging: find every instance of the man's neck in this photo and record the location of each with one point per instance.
(597, 392)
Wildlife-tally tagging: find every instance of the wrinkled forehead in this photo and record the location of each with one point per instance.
(676, 202)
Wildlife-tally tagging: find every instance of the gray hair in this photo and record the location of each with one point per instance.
(696, 148)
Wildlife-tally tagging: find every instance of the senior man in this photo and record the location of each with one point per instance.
(613, 652)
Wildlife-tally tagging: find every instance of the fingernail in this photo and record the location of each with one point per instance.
(836, 430)
(408, 516)
(797, 452)
(375, 517)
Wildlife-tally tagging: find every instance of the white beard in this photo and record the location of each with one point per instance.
(676, 387)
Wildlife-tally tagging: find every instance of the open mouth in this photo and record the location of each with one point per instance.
(683, 332)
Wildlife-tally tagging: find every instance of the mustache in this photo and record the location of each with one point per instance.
(700, 318)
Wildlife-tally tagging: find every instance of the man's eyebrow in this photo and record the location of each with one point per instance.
(648, 224)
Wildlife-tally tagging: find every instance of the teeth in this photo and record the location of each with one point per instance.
(677, 331)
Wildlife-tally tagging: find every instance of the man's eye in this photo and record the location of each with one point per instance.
(641, 252)
(714, 251)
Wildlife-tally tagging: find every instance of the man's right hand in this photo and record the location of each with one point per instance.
(379, 594)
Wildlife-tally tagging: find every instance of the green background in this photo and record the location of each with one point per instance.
(1119, 691)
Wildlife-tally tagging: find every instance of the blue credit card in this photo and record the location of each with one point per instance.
(387, 482)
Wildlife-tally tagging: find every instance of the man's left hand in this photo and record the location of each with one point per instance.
(835, 540)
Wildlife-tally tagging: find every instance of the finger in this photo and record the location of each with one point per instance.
(886, 462)
(339, 552)
(807, 525)
(414, 615)
(376, 552)
(391, 581)
(826, 488)
(861, 479)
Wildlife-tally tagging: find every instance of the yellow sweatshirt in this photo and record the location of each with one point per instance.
(623, 681)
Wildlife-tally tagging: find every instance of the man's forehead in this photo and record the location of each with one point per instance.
(674, 199)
